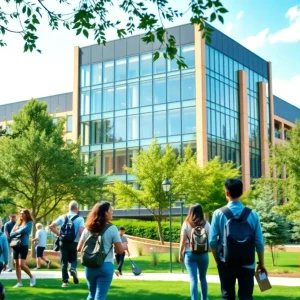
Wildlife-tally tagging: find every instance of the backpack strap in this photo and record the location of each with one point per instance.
(74, 218)
(227, 212)
(245, 213)
(104, 229)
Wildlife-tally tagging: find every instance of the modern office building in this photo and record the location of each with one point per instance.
(222, 104)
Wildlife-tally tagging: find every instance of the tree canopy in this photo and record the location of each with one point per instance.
(87, 17)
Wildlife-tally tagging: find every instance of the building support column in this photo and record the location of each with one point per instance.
(245, 153)
(264, 136)
(76, 94)
(200, 80)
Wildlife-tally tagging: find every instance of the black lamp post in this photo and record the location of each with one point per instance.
(166, 185)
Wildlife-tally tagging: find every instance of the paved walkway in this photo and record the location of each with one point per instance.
(284, 281)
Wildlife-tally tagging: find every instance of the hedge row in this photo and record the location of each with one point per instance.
(149, 229)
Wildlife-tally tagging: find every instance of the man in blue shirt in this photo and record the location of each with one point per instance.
(229, 274)
(68, 251)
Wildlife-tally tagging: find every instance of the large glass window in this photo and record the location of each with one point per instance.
(108, 130)
(160, 90)
(146, 93)
(120, 161)
(85, 134)
(133, 67)
(108, 74)
(85, 75)
(173, 89)
(96, 74)
(120, 69)
(188, 52)
(96, 101)
(146, 64)
(146, 126)
(133, 127)
(188, 120)
(108, 99)
(120, 129)
(108, 163)
(160, 64)
(160, 124)
(120, 97)
(133, 95)
(172, 64)
(131, 154)
(188, 87)
(96, 132)
(85, 103)
(97, 158)
(174, 122)
(69, 123)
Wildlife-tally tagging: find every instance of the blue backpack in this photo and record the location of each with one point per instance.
(239, 238)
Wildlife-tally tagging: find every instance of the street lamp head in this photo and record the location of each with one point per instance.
(166, 185)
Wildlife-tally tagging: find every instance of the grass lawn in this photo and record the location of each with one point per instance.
(142, 290)
(288, 262)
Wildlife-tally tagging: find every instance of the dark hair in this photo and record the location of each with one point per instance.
(195, 215)
(234, 187)
(27, 214)
(96, 220)
(121, 228)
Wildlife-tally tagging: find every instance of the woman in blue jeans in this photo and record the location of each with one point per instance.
(99, 279)
(195, 263)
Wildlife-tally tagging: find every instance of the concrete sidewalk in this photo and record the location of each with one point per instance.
(283, 281)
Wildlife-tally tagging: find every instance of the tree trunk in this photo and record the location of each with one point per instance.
(160, 234)
(272, 255)
(33, 254)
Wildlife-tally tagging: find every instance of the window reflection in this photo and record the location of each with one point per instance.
(188, 87)
(173, 89)
(160, 91)
(160, 124)
(85, 76)
(174, 122)
(133, 95)
(131, 154)
(108, 164)
(120, 129)
(108, 99)
(160, 64)
(96, 101)
(133, 67)
(97, 158)
(108, 74)
(84, 103)
(108, 130)
(120, 70)
(146, 93)
(85, 134)
(69, 123)
(120, 161)
(146, 64)
(120, 97)
(96, 74)
(96, 132)
(188, 120)
(188, 52)
(132, 127)
(146, 126)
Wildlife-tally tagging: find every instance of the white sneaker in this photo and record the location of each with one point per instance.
(32, 281)
(18, 285)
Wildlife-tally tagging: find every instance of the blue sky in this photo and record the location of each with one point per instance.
(270, 28)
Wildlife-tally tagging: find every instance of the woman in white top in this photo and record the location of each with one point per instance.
(99, 279)
(194, 262)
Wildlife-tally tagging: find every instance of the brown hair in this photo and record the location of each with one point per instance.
(27, 218)
(195, 215)
(96, 220)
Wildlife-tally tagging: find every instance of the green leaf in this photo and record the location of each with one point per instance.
(85, 33)
(155, 56)
(221, 19)
(222, 10)
(213, 17)
(24, 9)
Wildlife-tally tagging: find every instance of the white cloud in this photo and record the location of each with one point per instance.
(228, 28)
(257, 41)
(288, 90)
(240, 15)
(290, 34)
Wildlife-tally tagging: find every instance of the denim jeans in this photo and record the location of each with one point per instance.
(197, 263)
(99, 281)
(68, 254)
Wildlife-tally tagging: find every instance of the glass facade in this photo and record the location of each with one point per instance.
(125, 103)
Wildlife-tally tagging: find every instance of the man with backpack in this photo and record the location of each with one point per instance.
(71, 228)
(234, 237)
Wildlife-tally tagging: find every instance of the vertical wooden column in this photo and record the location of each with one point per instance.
(264, 137)
(76, 96)
(200, 80)
(244, 129)
(282, 130)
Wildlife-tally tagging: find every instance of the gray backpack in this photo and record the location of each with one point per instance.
(199, 239)
(93, 254)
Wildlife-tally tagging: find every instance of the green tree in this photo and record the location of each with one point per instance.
(150, 168)
(274, 226)
(39, 169)
(87, 16)
(296, 231)
(204, 185)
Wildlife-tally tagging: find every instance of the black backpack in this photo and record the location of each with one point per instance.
(239, 239)
(67, 230)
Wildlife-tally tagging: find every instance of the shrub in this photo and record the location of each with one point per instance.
(140, 250)
(148, 229)
(176, 256)
(154, 257)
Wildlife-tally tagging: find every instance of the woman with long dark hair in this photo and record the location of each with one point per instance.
(99, 279)
(21, 231)
(195, 262)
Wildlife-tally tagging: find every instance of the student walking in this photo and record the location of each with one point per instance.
(120, 257)
(20, 234)
(8, 226)
(41, 242)
(4, 252)
(71, 229)
(98, 222)
(193, 249)
(234, 252)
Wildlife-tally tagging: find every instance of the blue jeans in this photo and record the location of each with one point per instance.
(99, 281)
(195, 263)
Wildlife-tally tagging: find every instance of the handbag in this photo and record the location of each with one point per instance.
(16, 241)
(136, 270)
